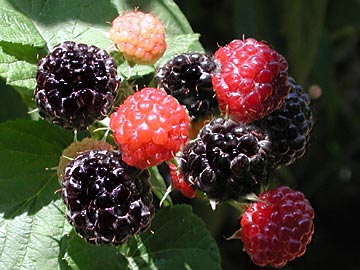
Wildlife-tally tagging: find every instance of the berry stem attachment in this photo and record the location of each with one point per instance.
(213, 204)
(158, 186)
(166, 194)
(107, 130)
(68, 158)
(254, 198)
(130, 69)
(106, 135)
(51, 168)
(33, 111)
(75, 135)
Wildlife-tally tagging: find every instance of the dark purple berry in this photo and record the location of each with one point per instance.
(289, 127)
(107, 200)
(187, 77)
(76, 85)
(227, 160)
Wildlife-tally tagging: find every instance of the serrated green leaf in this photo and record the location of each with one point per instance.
(178, 44)
(177, 240)
(17, 28)
(83, 256)
(75, 20)
(31, 237)
(18, 73)
(32, 220)
(27, 149)
(56, 21)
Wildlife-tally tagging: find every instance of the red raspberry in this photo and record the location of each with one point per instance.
(278, 229)
(252, 81)
(178, 182)
(150, 127)
(139, 36)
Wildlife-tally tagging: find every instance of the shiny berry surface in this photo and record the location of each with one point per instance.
(150, 127)
(76, 85)
(187, 77)
(107, 200)
(139, 36)
(227, 160)
(290, 127)
(252, 81)
(178, 182)
(277, 229)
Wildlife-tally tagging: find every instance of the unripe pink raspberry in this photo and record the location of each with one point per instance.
(139, 36)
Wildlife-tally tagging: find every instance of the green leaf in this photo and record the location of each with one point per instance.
(75, 20)
(9, 97)
(303, 24)
(180, 44)
(19, 74)
(80, 256)
(27, 150)
(54, 22)
(177, 240)
(17, 28)
(158, 186)
(31, 237)
(32, 220)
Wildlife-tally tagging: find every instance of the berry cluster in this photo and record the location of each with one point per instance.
(257, 119)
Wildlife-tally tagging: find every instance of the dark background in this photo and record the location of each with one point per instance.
(321, 40)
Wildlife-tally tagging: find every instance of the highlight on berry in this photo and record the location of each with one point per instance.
(139, 36)
(76, 84)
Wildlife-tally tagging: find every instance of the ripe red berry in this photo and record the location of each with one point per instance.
(150, 127)
(178, 182)
(139, 36)
(252, 81)
(278, 228)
